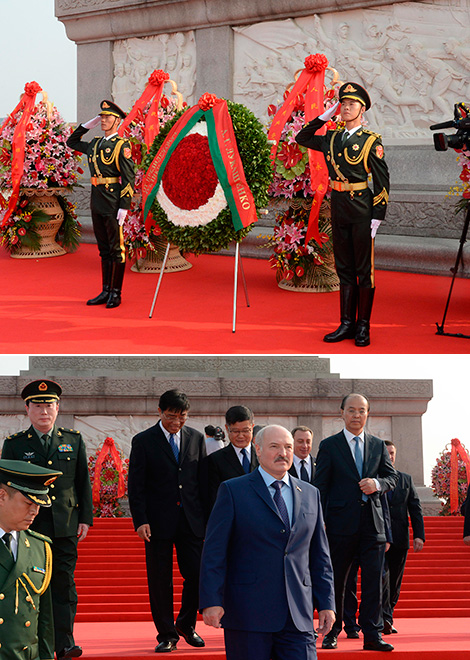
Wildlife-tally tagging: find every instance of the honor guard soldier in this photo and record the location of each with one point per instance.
(67, 521)
(27, 629)
(352, 153)
(112, 187)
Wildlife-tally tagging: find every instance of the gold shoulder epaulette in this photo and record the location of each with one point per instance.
(377, 135)
(15, 434)
(69, 430)
(37, 535)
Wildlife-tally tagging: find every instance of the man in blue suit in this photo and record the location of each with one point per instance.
(266, 563)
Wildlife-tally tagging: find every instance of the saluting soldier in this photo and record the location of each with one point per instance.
(26, 625)
(71, 514)
(112, 187)
(352, 153)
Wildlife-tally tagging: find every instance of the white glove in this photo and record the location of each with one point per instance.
(331, 112)
(121, 216)
(92, 122)
(374, 225)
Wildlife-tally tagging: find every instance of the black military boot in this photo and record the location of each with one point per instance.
(102, 297)
(117, 276)
(366, 298)
(347, 302)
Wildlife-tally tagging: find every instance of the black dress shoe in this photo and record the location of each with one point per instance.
(352, 634)
(377, 645)
(165, 647)
(329, 642)
(388, 628)
(70, 652)
(191, 637)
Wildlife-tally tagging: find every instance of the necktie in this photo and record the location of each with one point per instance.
(359, 462)
(345, 136)
(245, 461)
(303, 471)
(281, 504)
(46, 440)
(174, 447)
(6, 538)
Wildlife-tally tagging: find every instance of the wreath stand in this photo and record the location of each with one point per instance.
(238, 265)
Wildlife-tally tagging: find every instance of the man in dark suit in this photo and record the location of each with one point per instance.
(112, 187)
(266, 565)
(403, 500)
(167, 498)
(303, 465)
(67, 521)
(352, 469)
(239, 456)
(351, 154)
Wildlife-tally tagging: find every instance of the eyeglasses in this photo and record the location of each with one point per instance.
(241, 431)
(173, 418)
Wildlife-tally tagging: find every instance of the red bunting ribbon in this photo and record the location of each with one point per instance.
(26, 103)
(153, 90)
(311, 83)
(457, 451)
(108, 448)
(224, 154)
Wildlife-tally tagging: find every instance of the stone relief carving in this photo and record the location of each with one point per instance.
(423, 219)
(136, 58)
(413, 58)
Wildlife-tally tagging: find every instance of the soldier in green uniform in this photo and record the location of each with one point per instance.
(26, 625)
(71, 514)
(352, 153)
(112, 187)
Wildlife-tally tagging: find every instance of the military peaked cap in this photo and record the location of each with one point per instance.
(41, 391)
(110, 108)
(354, 91)
(30, 479)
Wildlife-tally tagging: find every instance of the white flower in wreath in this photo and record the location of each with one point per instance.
(202, 214)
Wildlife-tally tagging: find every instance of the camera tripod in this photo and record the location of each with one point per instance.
(454, 270)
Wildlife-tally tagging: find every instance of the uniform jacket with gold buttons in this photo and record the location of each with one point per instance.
(107, 159)
(26, 621)
(352, 162)
(70, 493)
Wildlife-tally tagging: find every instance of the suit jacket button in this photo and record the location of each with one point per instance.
(180, 486)
(283, 531)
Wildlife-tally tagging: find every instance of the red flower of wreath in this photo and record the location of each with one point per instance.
(158, 76)
(317, 62)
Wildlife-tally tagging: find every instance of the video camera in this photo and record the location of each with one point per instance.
(461, 139)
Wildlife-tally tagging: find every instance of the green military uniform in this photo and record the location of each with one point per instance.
(112, 187)
(27, 627)
(71, 505)
(353, 206)
(26, 619)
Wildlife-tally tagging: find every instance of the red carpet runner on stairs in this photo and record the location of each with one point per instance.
(113, 619)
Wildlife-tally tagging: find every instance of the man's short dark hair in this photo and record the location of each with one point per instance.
(238, 414)
(174, 400)
(345, 400)
(209, 430)
(301, 428)
(389, 443)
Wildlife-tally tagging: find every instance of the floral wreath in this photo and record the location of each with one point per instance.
(190, 208)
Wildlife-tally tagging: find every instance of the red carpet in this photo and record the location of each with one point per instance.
(113, 619)
(42, 311)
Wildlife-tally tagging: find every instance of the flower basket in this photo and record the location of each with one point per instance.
(442, 477)
(108, 475)
(37, 169)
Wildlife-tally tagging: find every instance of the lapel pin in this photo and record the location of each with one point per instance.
(298, 488)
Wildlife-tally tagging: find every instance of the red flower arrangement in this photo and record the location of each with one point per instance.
(440, 481)
(109, 505)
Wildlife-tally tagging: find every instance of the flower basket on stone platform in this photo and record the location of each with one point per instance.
(37, 170)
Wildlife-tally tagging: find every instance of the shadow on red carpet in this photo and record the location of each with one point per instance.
(43, 311)
(417, 639)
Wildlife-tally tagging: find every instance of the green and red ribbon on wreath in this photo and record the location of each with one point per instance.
(108, 448)
(457, 451)
(311, 83)
(224, 154)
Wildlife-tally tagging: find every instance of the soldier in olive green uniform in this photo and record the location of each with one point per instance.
(112, 187)
(352, 153)
(71, 514)
(26, 624)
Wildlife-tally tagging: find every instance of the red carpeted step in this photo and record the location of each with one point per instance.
(112, 583)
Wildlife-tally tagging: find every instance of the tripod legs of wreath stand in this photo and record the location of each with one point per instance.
(238, 262)
(463, 239)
